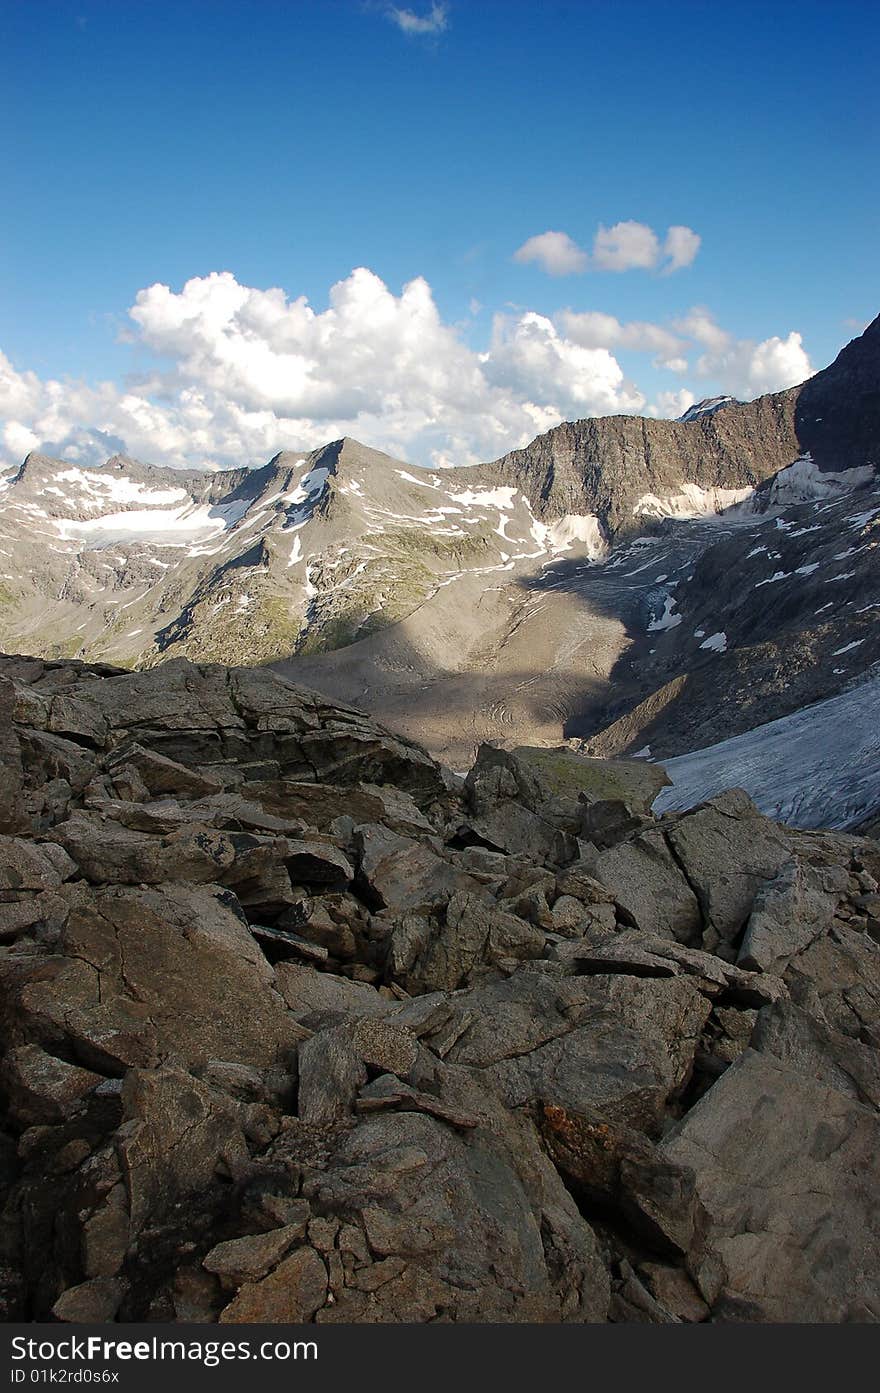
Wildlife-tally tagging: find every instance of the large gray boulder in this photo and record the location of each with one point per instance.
(728, 851)
(785, 1170)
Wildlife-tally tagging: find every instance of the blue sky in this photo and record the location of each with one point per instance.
(288, 144)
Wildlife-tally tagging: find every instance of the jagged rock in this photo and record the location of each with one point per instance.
(130, 983)
(618, 1043)
(632, 1301)
(109, 854)
(475, 935)
(29, 868)
(41, 913)
(570, 917)
(240, 1260)
(159, 775)
(331, 1070)
(41, 1088)
(288, 1296)
(675, 1291)
(385, 1044)
(177, 1134)
(788, 913)
(92, 1302)
(504, 793)
(650, 955)
(577, 881)
(285, 943)
(839, 975)
(12, 815)
(649, 888)
(503, 1034)
(784, 1169)
(320, 804)
(315, 996)
(728, 851)
(336, 922)
(443, 1202)
(814, 1051)
(566, 772)
(389, 1092)
(608, 821)
(399, 874)
(248, 1084)
(318, 863)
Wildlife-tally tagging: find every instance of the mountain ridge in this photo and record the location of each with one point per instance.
(547, 595)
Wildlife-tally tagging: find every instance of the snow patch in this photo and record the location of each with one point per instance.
(848, 647)
(802, 481)
(693, 501)
(666, 620)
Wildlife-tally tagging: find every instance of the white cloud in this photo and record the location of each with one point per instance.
(777, 363)
(744, 367)
(626, 246)
(532, 360)
(243, 372)
(592, 329)
(700, 325)
(671, 405)
(434, 22)
(555, 253)
(680, 247)
(246, 372)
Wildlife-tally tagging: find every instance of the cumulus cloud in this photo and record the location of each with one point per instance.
(245, 371)
(671, 405)
(242, 372)
(680, 248)
(745, 367)
(592, 329)
(533, 361)
(434, 22)
(555, 253)
(626, 246)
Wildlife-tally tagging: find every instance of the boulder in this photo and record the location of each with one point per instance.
(398, 873)
(617, 1045)
(290, 1295)
(728, 851)
(247, 1259)
(41, 1088)
(784, 1170)
(475, 935)
(788, 913)
(649, 888)
(159, 775)
(472, 1224)
(178, 1134)
(146, 973)
(91, 1303)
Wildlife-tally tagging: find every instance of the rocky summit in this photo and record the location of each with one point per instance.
(299, 1026)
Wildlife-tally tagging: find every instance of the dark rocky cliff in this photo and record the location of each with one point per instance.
(606, 464)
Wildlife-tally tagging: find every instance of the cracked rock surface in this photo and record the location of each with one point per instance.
(298, 1026)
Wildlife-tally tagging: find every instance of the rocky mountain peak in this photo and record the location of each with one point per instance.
(837, 414)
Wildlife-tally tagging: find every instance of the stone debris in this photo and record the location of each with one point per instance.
(298, 1027)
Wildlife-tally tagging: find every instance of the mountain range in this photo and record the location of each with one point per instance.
(631, 586)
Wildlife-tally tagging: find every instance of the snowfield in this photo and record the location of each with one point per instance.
(819, 767)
